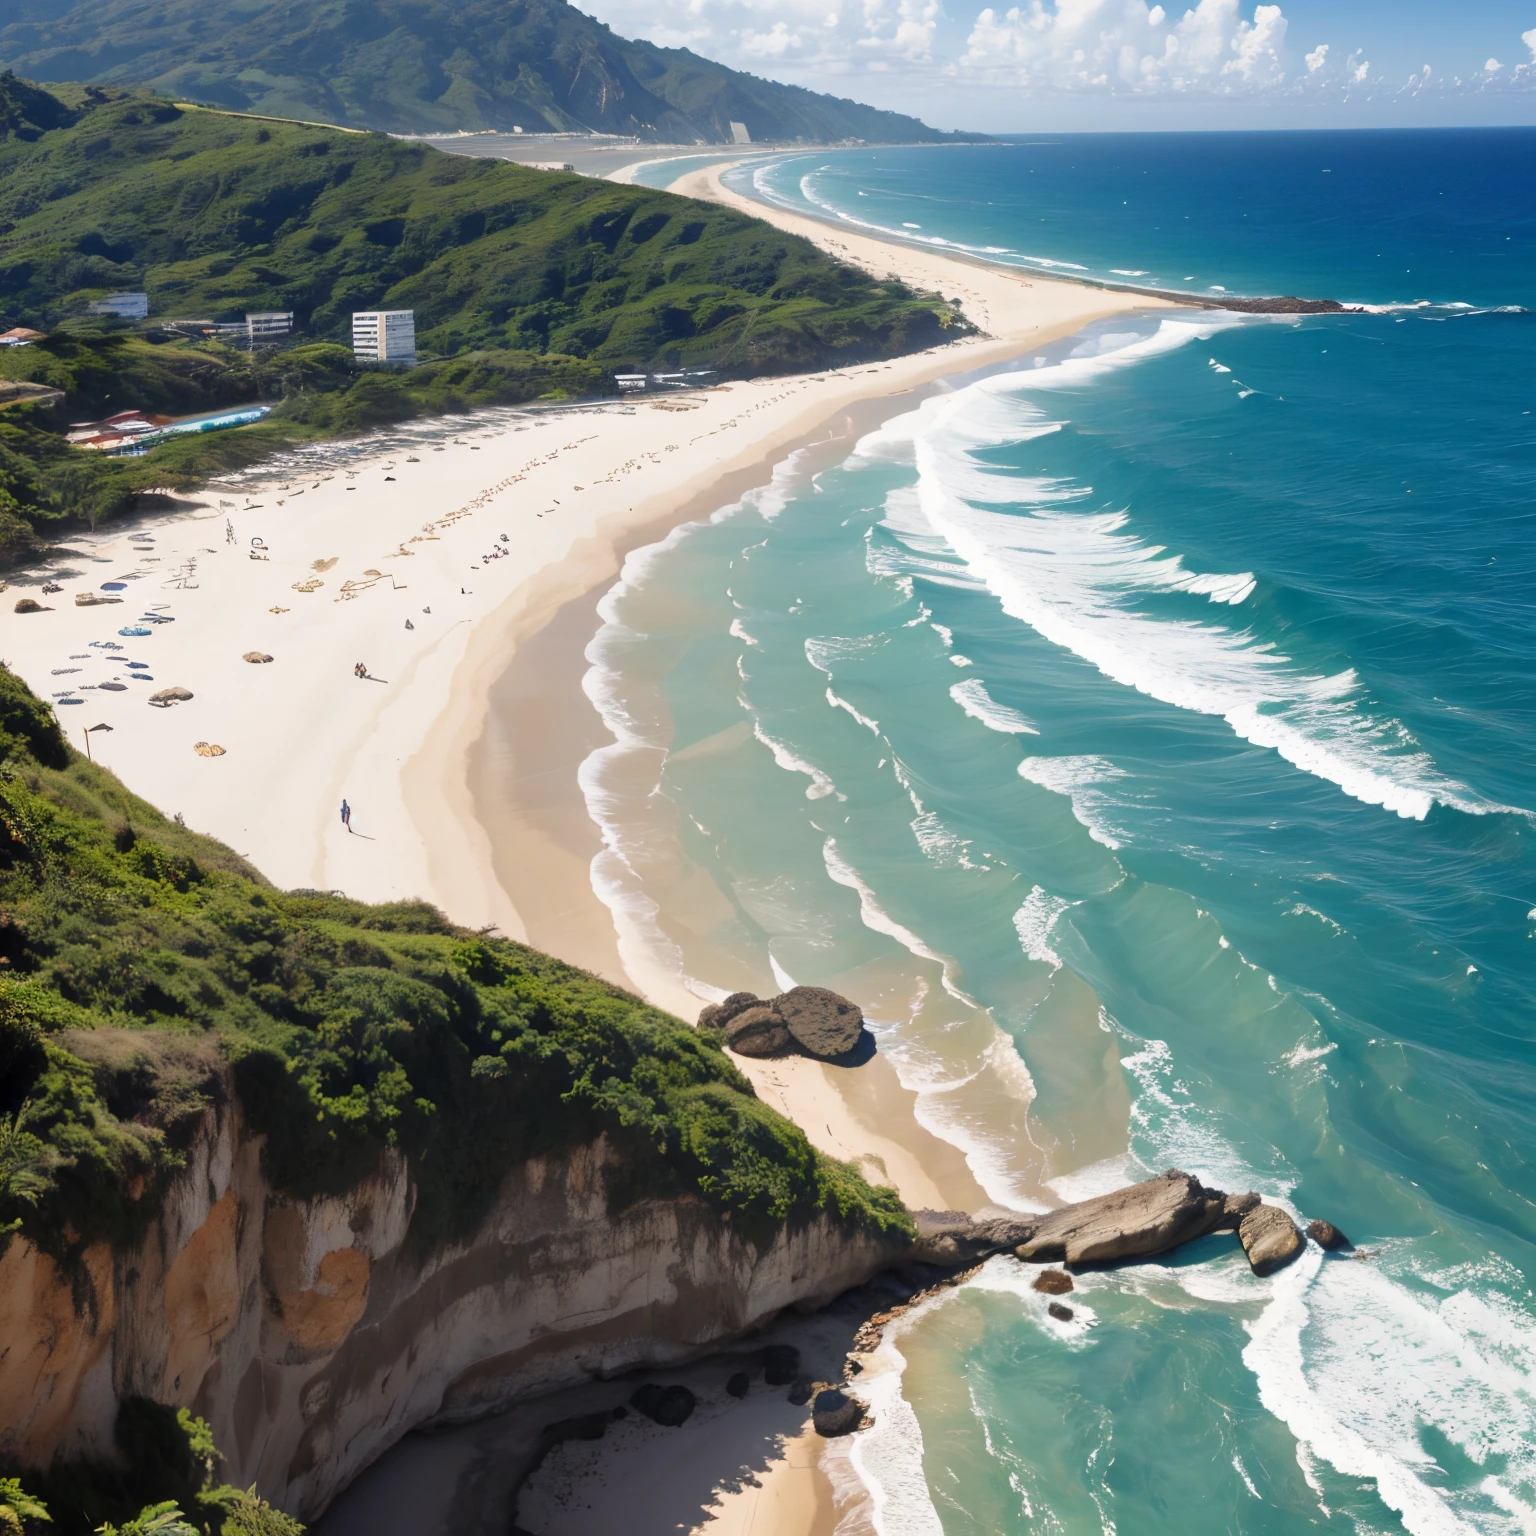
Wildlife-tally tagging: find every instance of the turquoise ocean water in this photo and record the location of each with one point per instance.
(1146, 735)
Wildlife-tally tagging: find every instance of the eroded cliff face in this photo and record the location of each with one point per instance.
(311, 1337)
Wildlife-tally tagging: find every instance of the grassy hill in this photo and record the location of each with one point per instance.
(214, 215)
(413, 66)
(526, 284)
(144, 969)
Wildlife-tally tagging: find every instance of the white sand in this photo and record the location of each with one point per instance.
(568, 488)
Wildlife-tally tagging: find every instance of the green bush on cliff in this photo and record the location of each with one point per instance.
(143, 968)
(163, 1484)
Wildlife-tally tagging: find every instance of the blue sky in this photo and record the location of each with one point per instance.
(1025, 65)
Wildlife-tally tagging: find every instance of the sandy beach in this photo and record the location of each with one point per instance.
(460, 561)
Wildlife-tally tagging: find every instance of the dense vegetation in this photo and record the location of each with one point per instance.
(215, 215)
(145, 971)
(525, 284)
(165, 1486)
(413, 66)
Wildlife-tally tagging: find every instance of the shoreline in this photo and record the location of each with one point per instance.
(467, 584)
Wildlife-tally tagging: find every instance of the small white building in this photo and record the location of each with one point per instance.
(384, 335)
(268, 325)
(126, 306)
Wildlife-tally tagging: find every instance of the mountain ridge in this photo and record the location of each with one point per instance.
(425, 66)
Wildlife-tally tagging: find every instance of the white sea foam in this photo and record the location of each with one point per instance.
(768, 193)
(838, 702)
(825, 652)
(1034, 921)
(782, 979)
(878, 920)
(973, 698)
(1083, 580)
(889, 1455)
(1079, 778)
(1099, 1178)
(820, 787)
(1356, 1365)
(942, 845)
(1352, 1359)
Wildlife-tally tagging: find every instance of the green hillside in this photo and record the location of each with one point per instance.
(415, 66)
(214, 215)
(145, 971)
(526, 284)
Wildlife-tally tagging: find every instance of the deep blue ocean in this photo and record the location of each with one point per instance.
(1146, 735)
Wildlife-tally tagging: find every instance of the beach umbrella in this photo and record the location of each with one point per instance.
(165, 697)
(88, 731)
(256, 656)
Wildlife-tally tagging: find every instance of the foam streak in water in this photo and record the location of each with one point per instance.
(1082, 580)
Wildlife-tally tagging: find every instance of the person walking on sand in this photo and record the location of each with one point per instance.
(346, 814)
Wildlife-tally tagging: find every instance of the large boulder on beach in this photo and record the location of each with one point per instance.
(757, 1031)
(717, 1015)
(1136, 1222)
(1270, 1239)
(834, 1413)
(670, 1406)
(822, 1022)
(781, 1364)
(1327, 1236)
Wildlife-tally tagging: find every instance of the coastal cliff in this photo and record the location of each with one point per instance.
(311, 1336)
(284, 1175)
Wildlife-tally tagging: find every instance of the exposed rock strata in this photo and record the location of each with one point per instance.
(312, 1338)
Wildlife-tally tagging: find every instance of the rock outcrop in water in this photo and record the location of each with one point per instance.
(1139, 1221)
(1270, 1239)
(1136, 1222)
(813, 1021)
(1328, 1237)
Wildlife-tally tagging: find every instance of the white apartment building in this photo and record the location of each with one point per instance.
(384, 335)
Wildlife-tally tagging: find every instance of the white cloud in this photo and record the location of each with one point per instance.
(777, 43)
(1199, 51)
(1124, 46)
